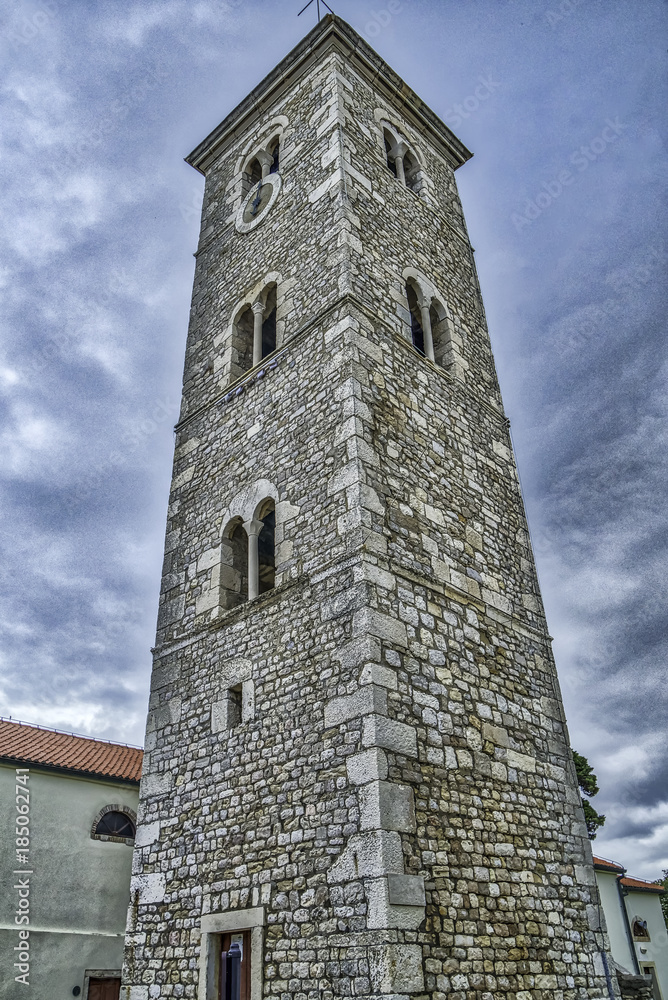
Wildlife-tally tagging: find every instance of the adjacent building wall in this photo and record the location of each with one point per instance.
(79, 887)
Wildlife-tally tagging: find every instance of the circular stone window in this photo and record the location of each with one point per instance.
(258, 202)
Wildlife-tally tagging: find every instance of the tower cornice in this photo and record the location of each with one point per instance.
(330, 35)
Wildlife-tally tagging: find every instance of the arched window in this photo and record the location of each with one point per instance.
(266, 547)
(247, 558)
(234, 565)
(389, 144)
(269, 322)
(412, 173)
(274, 151)
(403, 162)
(254, 172)
(441, 327)
(254, 332)
(242, 343)
(417, 331)
(640, 930)
(116, 823)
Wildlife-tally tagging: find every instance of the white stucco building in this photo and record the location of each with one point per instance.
(637, 931)
(67, 822)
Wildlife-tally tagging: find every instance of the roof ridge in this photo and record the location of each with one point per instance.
(64, 732)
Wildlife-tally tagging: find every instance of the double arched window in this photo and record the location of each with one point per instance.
(430, 324)
(403, 162)
(254, 331)
(248, 560)
(261, 163)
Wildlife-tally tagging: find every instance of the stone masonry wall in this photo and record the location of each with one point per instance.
(394, 811)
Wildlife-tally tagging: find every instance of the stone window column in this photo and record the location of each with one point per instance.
(425, 305)
(253, 529)
(258, 316)
(399, 152)
(266, 162)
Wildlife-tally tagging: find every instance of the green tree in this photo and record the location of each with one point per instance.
(664, 899)
(589, 785)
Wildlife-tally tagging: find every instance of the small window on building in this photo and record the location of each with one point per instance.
(234, 703)
(115, 824)
(417, 333)
(640, 931)
(266, 547)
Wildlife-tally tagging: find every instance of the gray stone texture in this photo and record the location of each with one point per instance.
(401, 800)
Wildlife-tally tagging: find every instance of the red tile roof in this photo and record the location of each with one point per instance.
(641, 886)
(609, 866)
(26, 744)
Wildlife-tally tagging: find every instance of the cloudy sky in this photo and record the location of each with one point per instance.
(563, 105)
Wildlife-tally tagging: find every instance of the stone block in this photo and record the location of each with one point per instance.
(147, 833)
(156, 785)
(370, 765)
(520, 761)
(379, 731)
(385, 805)
(364, 701)
(368, 855)
(396, 968)
(367, 620)
(374, 673)
(406, 890)
(151, 887)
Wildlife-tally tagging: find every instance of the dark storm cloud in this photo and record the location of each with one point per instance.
(563, 108)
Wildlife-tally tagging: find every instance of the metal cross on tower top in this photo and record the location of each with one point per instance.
(318, 3)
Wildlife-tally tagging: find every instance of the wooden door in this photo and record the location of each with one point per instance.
(104, 989)
(243, 939)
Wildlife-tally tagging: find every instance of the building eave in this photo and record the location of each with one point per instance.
(332, 32)
(70, 772)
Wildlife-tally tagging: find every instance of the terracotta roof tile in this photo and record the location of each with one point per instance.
(641, 885)
(605, 865)
(28, 744)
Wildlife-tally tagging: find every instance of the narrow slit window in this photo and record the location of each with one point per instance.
(234, 706)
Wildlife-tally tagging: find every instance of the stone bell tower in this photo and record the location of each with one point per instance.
(357, 763)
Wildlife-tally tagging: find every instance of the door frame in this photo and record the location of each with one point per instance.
(98, 974)
(214, 926)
